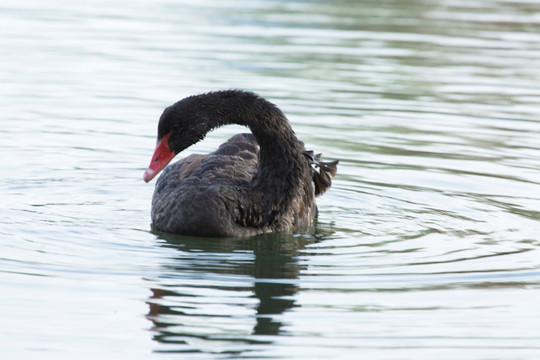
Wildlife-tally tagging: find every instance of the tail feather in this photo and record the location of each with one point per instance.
(326, 171)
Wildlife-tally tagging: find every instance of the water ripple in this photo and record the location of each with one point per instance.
(425, 248)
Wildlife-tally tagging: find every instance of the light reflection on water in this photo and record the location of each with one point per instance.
(426, 247)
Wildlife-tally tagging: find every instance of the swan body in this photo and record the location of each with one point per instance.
(253, 183)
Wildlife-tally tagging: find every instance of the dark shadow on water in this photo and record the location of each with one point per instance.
(231, 292)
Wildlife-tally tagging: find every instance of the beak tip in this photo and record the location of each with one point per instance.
(148, 175)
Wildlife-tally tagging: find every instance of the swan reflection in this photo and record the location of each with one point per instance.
(224, 295)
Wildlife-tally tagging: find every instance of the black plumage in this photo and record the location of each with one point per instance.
(254, 183)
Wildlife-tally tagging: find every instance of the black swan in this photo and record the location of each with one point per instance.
(254, 183)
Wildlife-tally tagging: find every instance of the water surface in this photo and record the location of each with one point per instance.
(426, 247)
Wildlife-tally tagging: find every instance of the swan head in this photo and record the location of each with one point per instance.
(180, 126)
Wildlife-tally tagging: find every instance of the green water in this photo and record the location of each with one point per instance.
(426, 247)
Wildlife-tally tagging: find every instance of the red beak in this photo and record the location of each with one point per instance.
(162, 156)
